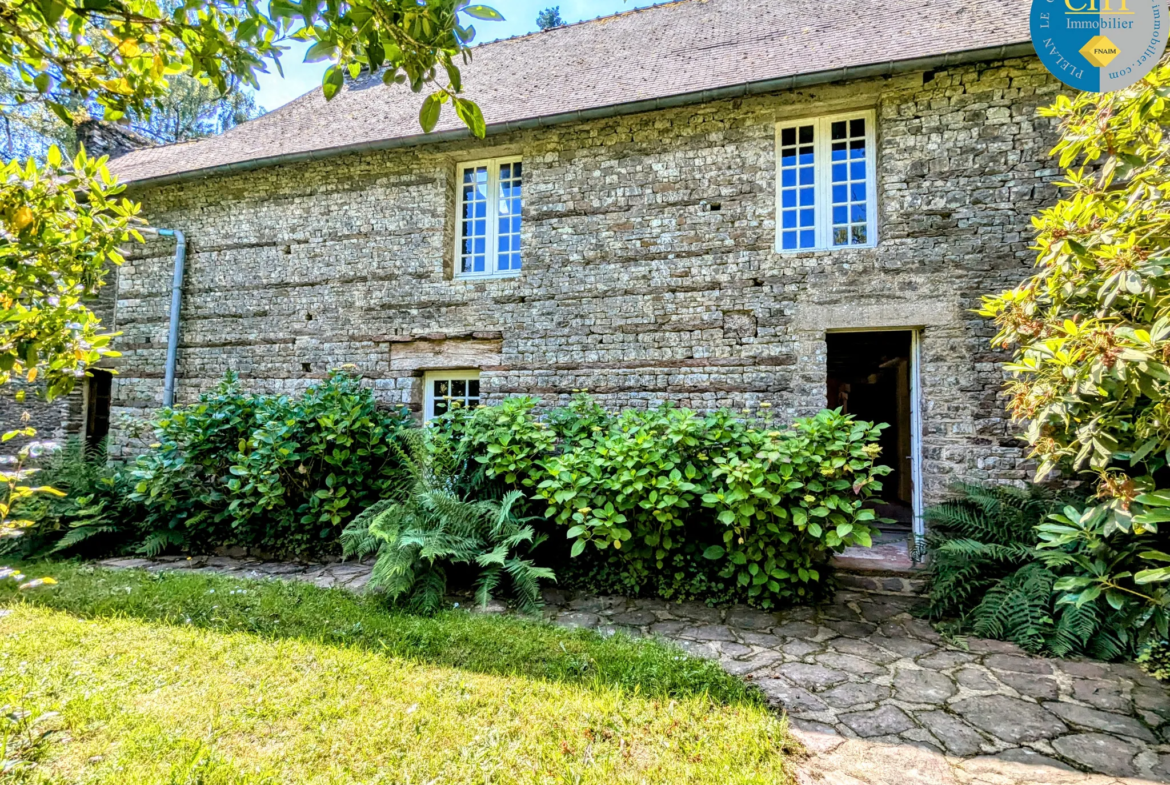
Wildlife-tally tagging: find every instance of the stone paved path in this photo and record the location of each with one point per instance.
(876, 696)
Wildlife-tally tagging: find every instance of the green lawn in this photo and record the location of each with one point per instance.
(185, 678)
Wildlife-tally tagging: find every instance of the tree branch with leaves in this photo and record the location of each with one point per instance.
(1089, 334)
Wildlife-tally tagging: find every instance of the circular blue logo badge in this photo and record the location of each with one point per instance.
(1099, 45)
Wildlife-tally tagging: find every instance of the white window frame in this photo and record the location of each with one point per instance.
(429, 379)
(823, 169)
(492, 260)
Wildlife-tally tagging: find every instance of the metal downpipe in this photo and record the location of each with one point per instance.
(176, 304)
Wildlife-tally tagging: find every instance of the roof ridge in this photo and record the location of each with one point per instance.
(521, 36)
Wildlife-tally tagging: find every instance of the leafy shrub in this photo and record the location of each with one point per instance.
(431, 526)
(271, 472)
(992, 577)
(88, 509)
(689, 505)
(180, 483)
(314, 463)
(506, 439)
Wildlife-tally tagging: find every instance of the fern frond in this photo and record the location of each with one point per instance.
(488, 580)
(157, 542)
(81, 534)
(429, 590)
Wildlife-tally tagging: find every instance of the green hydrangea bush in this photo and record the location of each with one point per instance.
(283, 475)
(688, 504)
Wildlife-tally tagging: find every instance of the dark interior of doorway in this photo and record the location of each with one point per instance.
(97, 408)
(869, 377)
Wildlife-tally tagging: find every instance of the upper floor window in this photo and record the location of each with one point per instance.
(489, 218)
(825, 183)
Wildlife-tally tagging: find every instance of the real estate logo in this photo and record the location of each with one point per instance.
(1099, 45)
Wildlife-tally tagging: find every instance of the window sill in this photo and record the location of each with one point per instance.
(834, 249)
(487, 276)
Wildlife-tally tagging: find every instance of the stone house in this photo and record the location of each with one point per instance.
(710, 202)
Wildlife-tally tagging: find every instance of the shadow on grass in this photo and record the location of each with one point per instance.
(498, 645)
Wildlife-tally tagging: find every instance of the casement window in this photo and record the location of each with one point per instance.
(825, 183)
(447, 388)
(488, 231)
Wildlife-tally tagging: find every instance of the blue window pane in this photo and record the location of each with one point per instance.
(838, 152)
(480, 228)
(858, 212)
(806, 156)
(840, 193)
(857, 192)
(479, 264)
(806, 218)
(840, 173)
(859, 235)
(806, 197)
(841, 236)
(480, 245)
(857, 150)
(788, 239)
(505, 243)
(788, 177)
(840, 215)
(481, 209)
(788, 156)
(467, 247)
(788, 198)
(516, 224)
(806, 175)
(857, 170)
(807, 238)
(788, 219)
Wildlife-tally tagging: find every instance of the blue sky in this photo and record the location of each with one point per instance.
(519, 16)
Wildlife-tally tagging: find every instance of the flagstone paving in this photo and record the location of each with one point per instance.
(877, 696)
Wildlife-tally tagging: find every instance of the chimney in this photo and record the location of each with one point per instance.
(103, 138)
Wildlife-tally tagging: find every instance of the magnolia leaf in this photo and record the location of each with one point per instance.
(484, 12)
(428, 116)
(332, 81)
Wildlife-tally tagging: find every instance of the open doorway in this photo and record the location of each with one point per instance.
(871, 375)
(97, 408)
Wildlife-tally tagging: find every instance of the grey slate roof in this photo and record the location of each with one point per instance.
(637, 56)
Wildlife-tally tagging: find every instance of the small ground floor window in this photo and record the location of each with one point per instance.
(447, 388)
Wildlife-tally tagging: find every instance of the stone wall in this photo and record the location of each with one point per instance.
(635, 286)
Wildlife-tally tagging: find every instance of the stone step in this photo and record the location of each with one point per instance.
(886, 567)
(903, 582)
